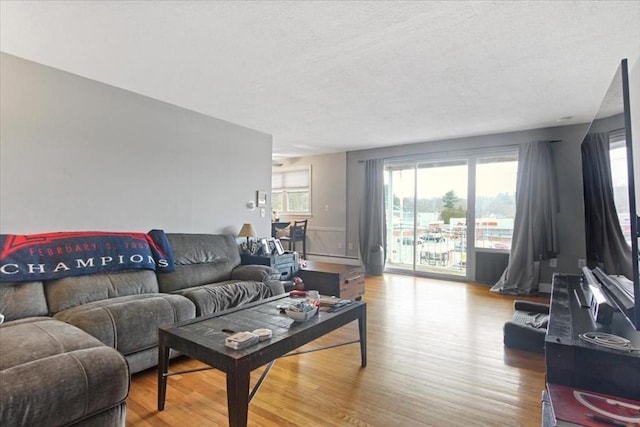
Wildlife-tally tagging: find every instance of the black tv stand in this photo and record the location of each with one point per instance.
(574, 362)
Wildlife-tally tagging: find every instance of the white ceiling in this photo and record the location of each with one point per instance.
(326, 77)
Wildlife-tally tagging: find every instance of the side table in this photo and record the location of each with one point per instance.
(286, 264)
(332, 279)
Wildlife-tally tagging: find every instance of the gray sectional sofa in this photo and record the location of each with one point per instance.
(68, 346)
(208, 273)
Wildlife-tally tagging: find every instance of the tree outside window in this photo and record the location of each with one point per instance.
(451, 207)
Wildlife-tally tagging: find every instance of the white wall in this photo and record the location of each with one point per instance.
(76, 154)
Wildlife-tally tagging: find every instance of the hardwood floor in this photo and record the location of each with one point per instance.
(435, 358)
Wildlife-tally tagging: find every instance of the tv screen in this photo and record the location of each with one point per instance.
(617, 266)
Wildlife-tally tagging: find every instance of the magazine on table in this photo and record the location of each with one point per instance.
(576, 407)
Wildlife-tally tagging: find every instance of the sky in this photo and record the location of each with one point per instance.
(493, 179)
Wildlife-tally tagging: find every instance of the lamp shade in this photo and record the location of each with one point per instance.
(247, 230)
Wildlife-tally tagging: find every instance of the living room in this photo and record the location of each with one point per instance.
(202, 146)
(93, 148)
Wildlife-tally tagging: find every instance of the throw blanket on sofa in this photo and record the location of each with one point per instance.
(55, 255)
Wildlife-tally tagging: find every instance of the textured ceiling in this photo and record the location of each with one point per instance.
(326, 77)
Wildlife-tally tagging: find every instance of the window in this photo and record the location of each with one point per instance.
(431, 198)
(619, 180)
(291, 191)
(496, 178)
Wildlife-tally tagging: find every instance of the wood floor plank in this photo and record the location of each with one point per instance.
(435, 358)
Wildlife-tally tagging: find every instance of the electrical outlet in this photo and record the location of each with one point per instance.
(582, 263)
(553, 262)
(350, 246)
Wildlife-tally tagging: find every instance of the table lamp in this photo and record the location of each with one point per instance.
(247, 231)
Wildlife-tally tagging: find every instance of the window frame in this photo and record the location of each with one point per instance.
(471, 156)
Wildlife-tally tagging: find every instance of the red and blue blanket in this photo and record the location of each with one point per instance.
(55, 255)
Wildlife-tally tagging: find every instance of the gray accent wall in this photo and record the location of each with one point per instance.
(76, 154)
(338, 181)
(326, 227)
(569, 173)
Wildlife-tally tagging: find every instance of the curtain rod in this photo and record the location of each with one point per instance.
(459, 151)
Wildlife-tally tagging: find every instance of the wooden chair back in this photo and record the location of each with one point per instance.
(298, 231)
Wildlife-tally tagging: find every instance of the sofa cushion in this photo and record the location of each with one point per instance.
(259, 273)
(22, 299)
(130, 323)
(69, 292)
(224, 295)
(200, 259)
(52, 373)
(36, 338)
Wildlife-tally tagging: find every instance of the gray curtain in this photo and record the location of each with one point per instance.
(535, 226)
(373, 236)
(606, 246)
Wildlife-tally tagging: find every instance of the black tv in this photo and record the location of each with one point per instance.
(615, 113)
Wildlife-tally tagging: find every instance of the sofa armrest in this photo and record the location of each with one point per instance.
(258, 273)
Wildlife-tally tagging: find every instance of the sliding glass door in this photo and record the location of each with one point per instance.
(441, 190)
(430, 201)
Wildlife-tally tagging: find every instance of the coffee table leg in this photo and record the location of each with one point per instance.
(238, 396)
(163, 368)
(362, 328)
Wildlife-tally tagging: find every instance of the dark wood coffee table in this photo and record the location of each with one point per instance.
(203, 339)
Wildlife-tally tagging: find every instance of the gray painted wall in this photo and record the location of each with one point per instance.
(569, 173)
(330, 189)
(76, 154)
(607, 124)
(568, 167)
(326, 227)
